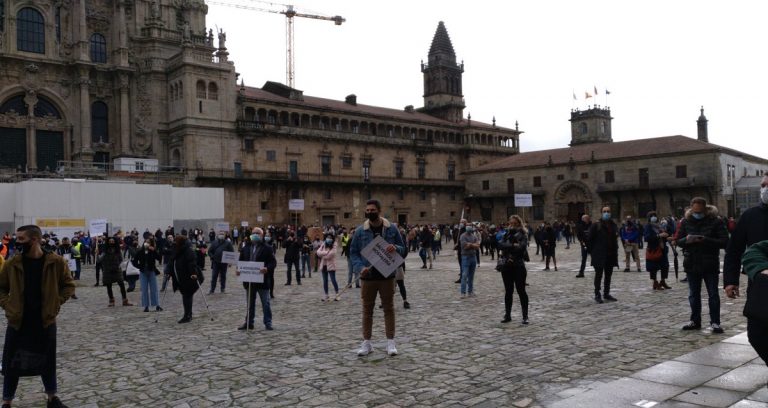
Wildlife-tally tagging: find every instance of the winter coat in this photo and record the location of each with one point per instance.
(603, 244)
(703, 257)
(217, 247)
(292, 251)
(513, 255)
(182, 266)
(363, 236)
(110, 265)
(327, 257)
(755, 259)
(651, 236)
(146, 259)
(751, 229)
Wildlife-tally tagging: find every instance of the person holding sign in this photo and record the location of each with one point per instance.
(258, 251)
(374, 282)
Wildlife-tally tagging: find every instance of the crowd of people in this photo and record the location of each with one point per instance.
(700, 234)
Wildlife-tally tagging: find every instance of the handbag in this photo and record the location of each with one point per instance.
(131, 270)
(655, 254)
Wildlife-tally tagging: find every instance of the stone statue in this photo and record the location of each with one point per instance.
(154, 9)
(210, 36)
(185, 32)
(222, 40)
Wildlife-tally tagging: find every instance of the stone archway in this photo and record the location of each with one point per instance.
(571, 200)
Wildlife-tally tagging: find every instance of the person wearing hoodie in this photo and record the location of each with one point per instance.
(702, 235)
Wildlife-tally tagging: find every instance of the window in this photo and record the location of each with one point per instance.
(644, 208)
(583, 128)
(643, 177)
(200, 106)
(422, 166)
(401, 195)
(355, 128)
(451, 171)
(346, 162)
(453, 214)
(486, 184)
(213, 91)
(584, 176)
(561, 177)
(201, 90)
(537, 183)
(98, 49)
(30, 31)
(99, 123)
(2, 15)
(423, 195)
(609, 177)
(295, 194)
(57, 17)
(293, 169)
(510, 186)
(271, 155)
(325, 165)
(327, 194)
(367, 171)
(264, 205)
(423, 214)
(538, 211)
(398, 169)
(347, 215)
(139, 166)
(681, 171)
(248, 144)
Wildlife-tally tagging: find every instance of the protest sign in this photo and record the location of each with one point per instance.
(250, 272)
(384, 262)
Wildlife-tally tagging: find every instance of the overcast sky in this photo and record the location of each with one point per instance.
(661, 60)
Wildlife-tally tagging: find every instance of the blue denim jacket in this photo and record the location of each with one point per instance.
(363, 236)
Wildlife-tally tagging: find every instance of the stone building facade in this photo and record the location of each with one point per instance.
(90, 85)
(633, 177)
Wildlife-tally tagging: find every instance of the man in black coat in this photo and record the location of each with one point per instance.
(582, 228)
(292, 256)
(218, 268)
(258, 251)
(603, 245)
(701, 236)
(751, 229)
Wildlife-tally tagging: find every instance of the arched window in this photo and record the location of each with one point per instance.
(200, 89)
(98, 49)
(583, 128)
(213, 91)
(30, 31)
(15, 104)
(44, 108)
(99, 123)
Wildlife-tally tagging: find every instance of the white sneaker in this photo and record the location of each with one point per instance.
(391, 349)
(365, 348)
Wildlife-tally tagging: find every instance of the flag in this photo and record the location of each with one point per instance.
(587, 95)
(596, 93)
(607, 92)
(574, 95)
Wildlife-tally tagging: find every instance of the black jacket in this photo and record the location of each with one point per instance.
(292, 251)
(219, 246)
(751, 229)
(603, 244)
(144, 259)
(702, 257)
(182, 266)
(264, 253)
(514, 256)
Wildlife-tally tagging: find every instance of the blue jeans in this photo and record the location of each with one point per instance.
(332, 274)
(218, 272)
(468, 266)
(351, 275)
(305, 263)
(148, 282)
(77, 268)
(265, 307)
(694, 296)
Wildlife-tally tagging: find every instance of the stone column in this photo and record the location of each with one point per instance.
(31, 143)
(125, 122)
(85, 115)
(82, 35)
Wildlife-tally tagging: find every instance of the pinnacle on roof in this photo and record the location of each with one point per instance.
(441, 43)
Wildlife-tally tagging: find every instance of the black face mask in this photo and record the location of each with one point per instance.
(23, 248)
(372, 216)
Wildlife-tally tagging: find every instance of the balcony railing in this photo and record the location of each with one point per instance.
(660, 184)
(252, 175)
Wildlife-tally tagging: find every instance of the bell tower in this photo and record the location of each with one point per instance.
(592, 125)
(443, 96)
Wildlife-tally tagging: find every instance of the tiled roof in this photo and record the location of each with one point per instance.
(312, 102)
(607, 151)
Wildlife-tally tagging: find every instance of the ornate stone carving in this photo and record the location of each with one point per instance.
(142, 137)
(98, 18)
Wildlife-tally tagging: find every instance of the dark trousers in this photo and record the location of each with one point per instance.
(757, 332)
(514, 279)
(186, 300)
(401, 286)
(78, 268)
(11, 382)
(332, 274)
(218, 271)
(122, 290)
(599, 279)
(458, 255)
(295, 265)
(694, 295)
(98, 271)
(584, 255)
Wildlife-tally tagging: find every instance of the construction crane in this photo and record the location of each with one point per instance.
(289, 12)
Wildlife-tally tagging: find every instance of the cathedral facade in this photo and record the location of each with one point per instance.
(143, 90)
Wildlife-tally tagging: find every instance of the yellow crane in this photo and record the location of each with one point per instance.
(289, 12)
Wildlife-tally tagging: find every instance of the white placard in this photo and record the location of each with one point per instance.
(259, 219)
(229, 258)
(523, 200)
(222, 227)
(243, 223)
(296, 204)
(71, 263)
(97, 227)
(376, 254)
(250, 271)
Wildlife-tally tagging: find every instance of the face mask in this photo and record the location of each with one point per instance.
(146, 245)
(373, 216)
(328, 242)
(255, 238)
(267, 239)
(698, 216)
(654, 219)
(470, 229)
(764, 195)
(23, 248)
(606, 216)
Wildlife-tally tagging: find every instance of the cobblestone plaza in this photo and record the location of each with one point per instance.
(453, 352)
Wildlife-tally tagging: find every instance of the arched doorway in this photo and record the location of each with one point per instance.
(46, 137)
(572, 199)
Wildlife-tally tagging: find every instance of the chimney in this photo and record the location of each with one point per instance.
(409, 109)
(351, 99)
(702, 127)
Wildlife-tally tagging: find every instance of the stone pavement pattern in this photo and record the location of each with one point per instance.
(453, 352)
